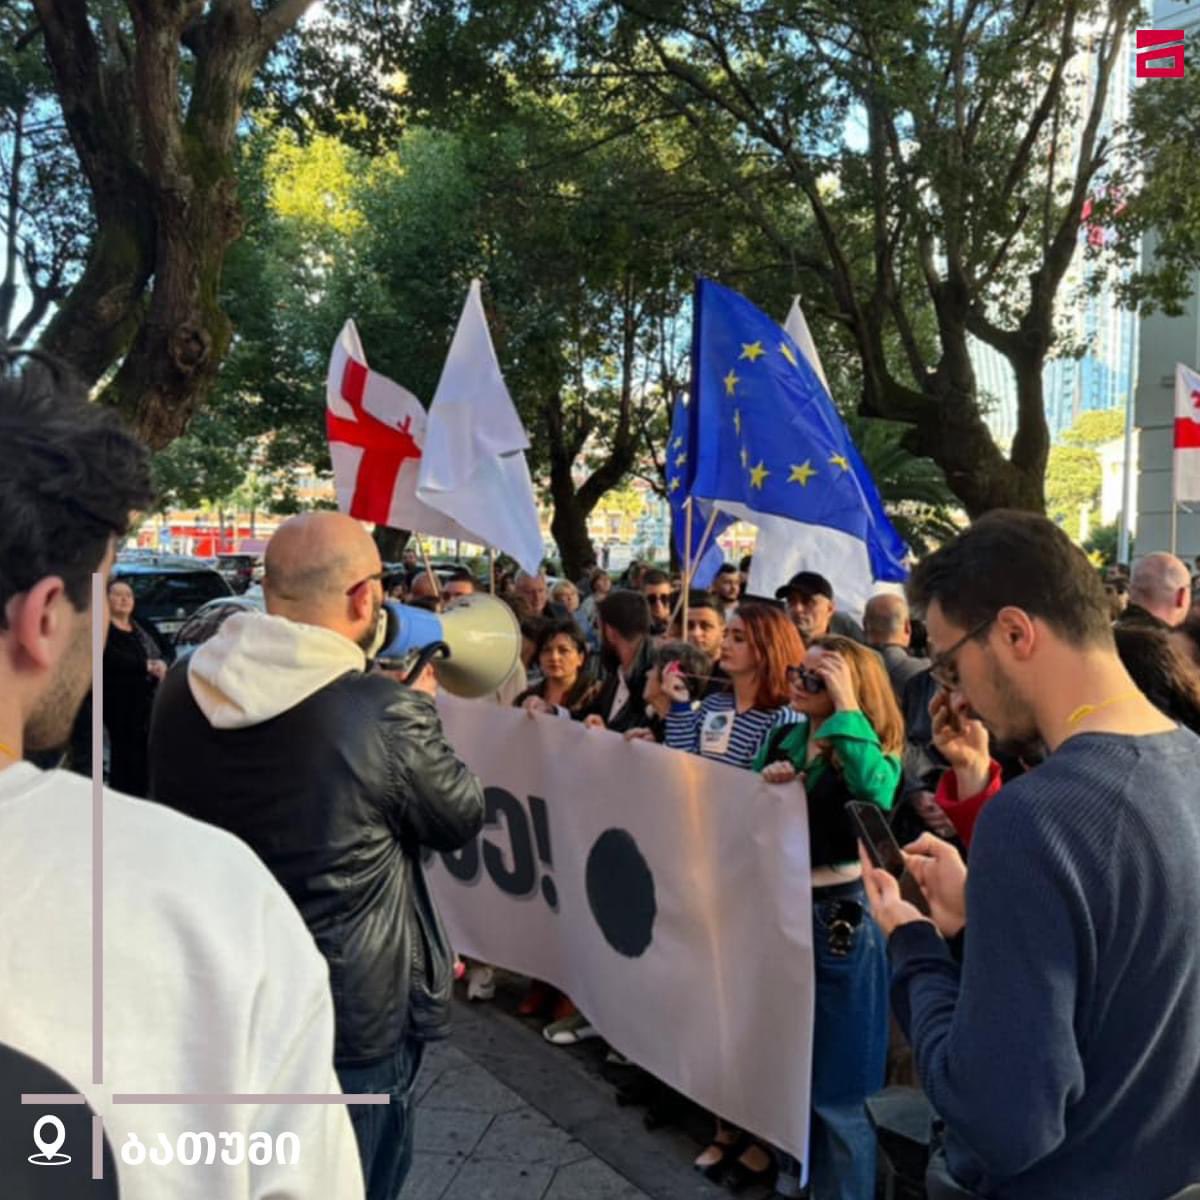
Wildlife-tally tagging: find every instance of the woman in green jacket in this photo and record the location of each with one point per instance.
(848, 749)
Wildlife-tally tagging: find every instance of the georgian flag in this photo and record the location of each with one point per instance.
(1187, 433)
(376, 433)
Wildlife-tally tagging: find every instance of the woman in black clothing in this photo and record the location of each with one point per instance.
(560, 652)
(132, 670)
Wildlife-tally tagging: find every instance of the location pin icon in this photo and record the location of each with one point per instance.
(49, 1147)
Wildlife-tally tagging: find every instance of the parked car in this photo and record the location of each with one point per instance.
(167, 589)
(238, 569)
(211, 615)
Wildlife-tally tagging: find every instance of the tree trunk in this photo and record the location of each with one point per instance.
(569, 527)
(158, 156)
(953, 433)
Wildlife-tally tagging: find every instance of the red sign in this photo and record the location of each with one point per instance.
(1155, 45)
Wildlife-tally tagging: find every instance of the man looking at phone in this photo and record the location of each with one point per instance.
(1063, 1054)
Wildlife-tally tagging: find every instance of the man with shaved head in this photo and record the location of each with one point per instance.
(1160, 592)
(888, 628)
(338, 778)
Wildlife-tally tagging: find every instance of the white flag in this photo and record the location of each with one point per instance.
(796, 327)
(1187, 434)
(473, 465)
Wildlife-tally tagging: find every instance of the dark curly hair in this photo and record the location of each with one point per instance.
(70, 475)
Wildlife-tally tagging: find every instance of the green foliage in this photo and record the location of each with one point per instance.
(1094, 429)
(921, 167)
(1073, 475)
(1072, 482)
(204, 467)
(1104, 541)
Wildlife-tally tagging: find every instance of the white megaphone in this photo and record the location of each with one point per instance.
(474, 645)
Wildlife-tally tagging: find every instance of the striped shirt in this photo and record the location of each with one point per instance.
(716, 731)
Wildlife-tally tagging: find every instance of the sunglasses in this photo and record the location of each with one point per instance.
(810, 681)
(658, 601)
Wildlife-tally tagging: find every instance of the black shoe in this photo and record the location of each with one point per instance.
(739, 1177)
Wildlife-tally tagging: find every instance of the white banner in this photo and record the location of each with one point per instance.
(668, 896)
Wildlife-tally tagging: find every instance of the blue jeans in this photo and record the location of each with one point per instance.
(850, 1041)
(385, 1131)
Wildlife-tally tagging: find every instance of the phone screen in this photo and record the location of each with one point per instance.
(884, 851)
(876, 834)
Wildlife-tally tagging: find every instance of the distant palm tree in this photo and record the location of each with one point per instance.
(922, 507)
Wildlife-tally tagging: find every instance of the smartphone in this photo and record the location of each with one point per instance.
(875, 833)
(884, 851)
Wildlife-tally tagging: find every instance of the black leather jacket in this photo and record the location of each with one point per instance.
(338, 795)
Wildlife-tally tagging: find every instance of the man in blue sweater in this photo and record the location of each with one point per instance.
(1063, 1052)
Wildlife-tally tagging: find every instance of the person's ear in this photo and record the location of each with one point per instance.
(36, 620)
(361, 602)
(1017, 631)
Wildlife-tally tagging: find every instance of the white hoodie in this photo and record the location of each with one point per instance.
(258, 666)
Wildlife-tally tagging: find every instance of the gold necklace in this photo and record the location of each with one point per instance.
(1086, 710)
(9, 751)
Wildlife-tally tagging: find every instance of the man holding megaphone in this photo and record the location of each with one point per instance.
(338, 776)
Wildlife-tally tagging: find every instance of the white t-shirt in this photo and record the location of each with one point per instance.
(212, 984)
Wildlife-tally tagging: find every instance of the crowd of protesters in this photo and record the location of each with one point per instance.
(1038, 723)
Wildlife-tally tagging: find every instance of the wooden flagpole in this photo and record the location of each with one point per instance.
(693, 567)
(687, 567)
(433, 579)
(492, 569)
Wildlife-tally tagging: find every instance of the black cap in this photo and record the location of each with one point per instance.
(808, 583)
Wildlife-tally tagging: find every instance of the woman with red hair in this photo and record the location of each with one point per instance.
(760, 645)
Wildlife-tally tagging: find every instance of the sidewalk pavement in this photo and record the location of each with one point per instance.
(504, 1115)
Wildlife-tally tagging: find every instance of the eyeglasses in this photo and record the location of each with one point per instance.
(810, 681)
(658, 601)
(943, 668)
(355, 586)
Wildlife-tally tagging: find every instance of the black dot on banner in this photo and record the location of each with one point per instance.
(620, 892)
(549, 891)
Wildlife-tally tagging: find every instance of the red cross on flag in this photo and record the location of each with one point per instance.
(376, 432)
(1187, 433)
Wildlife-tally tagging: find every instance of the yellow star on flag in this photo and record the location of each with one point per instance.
(674, 485)
(803, 473)
(839, 460)
(752, 351)
(731, 381)
(677, 444)
(758, 475)
(786, 351)
(745, 457)
(737, 419)
(680, 460)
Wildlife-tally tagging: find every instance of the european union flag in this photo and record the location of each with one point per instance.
(681, 469)
(766, 437)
